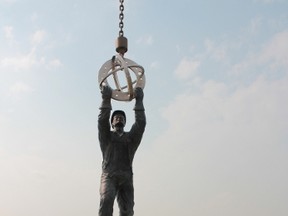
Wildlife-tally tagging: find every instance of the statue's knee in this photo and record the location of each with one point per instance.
(127, 213)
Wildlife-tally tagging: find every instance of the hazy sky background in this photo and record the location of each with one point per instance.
(216, 142)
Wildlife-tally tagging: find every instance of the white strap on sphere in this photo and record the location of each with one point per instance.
(121, 67)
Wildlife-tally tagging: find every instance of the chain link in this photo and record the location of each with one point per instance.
(121, 17)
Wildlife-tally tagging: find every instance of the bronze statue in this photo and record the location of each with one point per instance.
(118, 149)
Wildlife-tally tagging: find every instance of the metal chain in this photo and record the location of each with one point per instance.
(121, 17)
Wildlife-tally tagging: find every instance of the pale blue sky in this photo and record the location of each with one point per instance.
(216, 142)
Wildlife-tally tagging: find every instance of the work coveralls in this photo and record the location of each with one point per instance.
(118, 153)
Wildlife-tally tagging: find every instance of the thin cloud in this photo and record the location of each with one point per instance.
(147, 40)
(19, 88)
(187, 68)
(217, 52)
(55, 63)
(8, 31)
(276, 51)
(19, 62)
(217, 140)
(34, 17)
(38, 37)
(28, 61)
(218, 135)
(272, 57)
(256, 24)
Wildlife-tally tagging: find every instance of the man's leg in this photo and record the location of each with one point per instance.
(107, 195)
(125, 198)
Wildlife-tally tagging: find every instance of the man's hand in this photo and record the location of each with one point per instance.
(139, 94)
(106, 92)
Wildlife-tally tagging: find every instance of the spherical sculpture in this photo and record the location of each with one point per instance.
(116, 73)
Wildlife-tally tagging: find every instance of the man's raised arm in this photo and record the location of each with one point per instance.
(104, 115)
(138, 127)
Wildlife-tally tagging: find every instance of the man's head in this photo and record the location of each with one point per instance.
(118, 118)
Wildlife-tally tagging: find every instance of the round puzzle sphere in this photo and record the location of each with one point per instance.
(123, 76)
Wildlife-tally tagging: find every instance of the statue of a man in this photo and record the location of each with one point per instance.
(118, 149)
